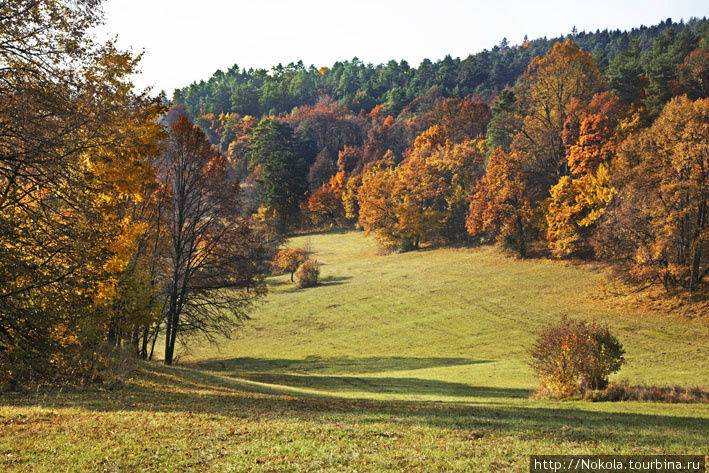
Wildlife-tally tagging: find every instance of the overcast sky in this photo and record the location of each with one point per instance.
(186, 41)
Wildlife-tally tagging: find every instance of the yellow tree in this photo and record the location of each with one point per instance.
(76, 143)
(543, 94)
(661, 219)
(374, 199)
(577, 202)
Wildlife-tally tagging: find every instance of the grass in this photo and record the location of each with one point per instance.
(408, 362)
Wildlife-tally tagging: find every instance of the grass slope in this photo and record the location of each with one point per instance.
(410, 362)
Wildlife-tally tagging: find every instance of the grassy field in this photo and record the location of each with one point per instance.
(402, 362)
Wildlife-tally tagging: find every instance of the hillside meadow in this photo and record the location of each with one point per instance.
(397, 362)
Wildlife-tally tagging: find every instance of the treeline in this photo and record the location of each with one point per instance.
(597, 162)
(114, 229)
(360, 87)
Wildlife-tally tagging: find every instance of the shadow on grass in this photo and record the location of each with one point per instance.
(330, 365)
(379, 385)
(176, 390)
(334, 280)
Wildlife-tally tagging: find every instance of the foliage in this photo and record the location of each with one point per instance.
(660, 219)
(543, 94)
(573, 357)
(76, 149)
(308, 274)
(282, 171)
(325, 206)
(288, 260)
(395, 86)
(575, 205)
(500, 207)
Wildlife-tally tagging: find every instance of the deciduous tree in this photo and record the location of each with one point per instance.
(215, 265)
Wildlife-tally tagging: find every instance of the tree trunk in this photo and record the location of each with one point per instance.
(171, 336)
(520, 238)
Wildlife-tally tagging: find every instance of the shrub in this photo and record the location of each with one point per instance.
(308, 274)
(670, 394)
(573, 357)
(288, 260)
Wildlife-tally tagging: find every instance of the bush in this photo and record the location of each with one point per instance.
(308, 274)
(573, 357)
(670, 394)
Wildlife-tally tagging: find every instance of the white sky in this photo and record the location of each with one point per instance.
(187, 40)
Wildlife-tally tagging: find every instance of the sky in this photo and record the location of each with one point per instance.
(187, 40)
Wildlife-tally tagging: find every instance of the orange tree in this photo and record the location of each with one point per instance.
(288, 260)
(500, 208)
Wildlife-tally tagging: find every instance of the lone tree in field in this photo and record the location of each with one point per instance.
(288, 260)
(214, 261)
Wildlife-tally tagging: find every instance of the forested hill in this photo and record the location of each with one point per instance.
(361, 87)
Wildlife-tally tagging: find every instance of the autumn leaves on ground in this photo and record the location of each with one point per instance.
(396, 362)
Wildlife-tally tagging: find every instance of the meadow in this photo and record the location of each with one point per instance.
(397, 362)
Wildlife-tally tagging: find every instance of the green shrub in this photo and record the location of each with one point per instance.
(574, 357)
(308, 274)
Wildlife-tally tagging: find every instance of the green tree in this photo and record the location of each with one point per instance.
(282, 173)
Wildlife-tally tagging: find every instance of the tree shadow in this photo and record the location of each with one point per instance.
(330, 365)
(333, 280)
(384, 385)
(181, 390)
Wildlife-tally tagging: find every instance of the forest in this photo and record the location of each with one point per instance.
(593, 145)
(126, 218)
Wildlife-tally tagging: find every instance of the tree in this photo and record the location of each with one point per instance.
(325, 206)
(577, 202)
(322, 170)
(373, 197)
(461, 120)
(574, 207)
(282, 181)
(75, 148)
(423, 199)
(288, 260)
(503, 122)
(660, 218)
(544, 93)
(500, 207)
(215, 265)
(693, 74)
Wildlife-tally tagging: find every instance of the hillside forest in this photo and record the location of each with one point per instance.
(126, 219)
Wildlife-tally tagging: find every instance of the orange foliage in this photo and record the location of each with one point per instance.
(500, 207)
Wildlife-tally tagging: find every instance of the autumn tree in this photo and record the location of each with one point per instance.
(576, 203)
(500, 207)
(288, 260)
(543, 94)
(215, 265)
(75, 149)
(322, 169)
(693, 74)
(461, 119)
(424, 198)
(373, 197)
(659, 221)
(325, 206)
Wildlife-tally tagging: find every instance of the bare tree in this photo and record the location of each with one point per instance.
(215, 264)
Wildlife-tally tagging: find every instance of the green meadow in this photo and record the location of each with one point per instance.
(411, 362)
